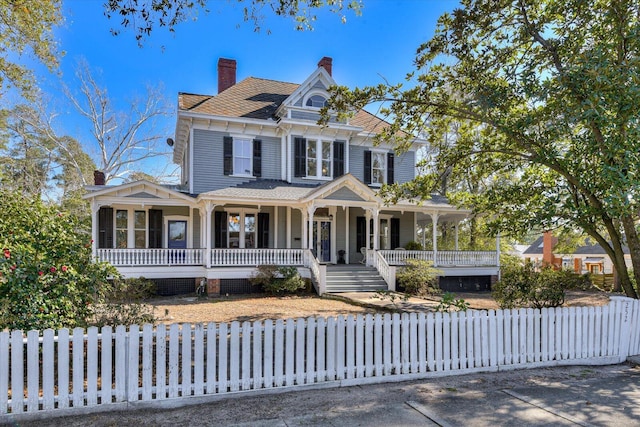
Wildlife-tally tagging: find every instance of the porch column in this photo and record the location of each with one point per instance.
(288, 242)
(190, 233)
(456, 235)
(310, 211)
(303, 213)
(275, 226)
(376, 230)
(94, 228)
(367, 216)
(498, 253)
(346, 237)
(434, 237)
(209, 207)
(415, 227)
(203, 226)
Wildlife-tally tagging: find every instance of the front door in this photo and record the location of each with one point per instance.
(177, 235)
(322, 240)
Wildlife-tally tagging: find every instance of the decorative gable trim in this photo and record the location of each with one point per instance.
(310, 85)
(345, 181)
(132, 191)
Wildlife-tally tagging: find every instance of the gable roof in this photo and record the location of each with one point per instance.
(138, 190)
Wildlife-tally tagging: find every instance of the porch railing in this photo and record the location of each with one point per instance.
(444, 258)
(147, 257)
(254, 257)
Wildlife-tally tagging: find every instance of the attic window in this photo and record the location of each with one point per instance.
(317, 101)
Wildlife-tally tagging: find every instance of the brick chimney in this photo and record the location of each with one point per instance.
(226, 73)
(325, 63)
(547, 248)
(98, 178)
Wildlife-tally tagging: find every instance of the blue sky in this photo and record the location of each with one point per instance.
(379, 44)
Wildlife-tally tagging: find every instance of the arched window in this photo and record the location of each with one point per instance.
(317, 101)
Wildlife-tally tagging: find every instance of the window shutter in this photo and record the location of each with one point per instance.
(257, 158)
(361, 232)
(155, 228)
(300, 148)
(227, 143)
(105, 227)
(390, 159)
(220, 225)
(263, 230)
(367, 167)
(338, 158)
(395, 233)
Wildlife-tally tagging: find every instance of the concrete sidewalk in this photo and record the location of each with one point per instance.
(579, 395)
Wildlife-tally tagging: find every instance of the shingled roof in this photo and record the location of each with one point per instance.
(257, 98)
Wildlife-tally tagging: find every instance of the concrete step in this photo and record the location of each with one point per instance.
(353, 278)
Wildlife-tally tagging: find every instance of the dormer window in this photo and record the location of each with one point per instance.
(316, 101)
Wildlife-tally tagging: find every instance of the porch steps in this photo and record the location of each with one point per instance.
(353, 278)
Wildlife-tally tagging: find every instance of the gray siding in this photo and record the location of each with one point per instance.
(356, 162)
(196, 228)
(305, 115)
(341, 232)
(208, 172)
(296, 229)
(405, 167)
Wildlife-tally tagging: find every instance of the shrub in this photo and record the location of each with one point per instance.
(48, 278)
(449, 302)
(418, 277)
(277, 280)
(522, 286)
(413, 246)
(121, 303)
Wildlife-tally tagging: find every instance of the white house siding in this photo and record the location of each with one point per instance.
(208, 171)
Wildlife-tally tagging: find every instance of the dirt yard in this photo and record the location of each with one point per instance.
(259, 307)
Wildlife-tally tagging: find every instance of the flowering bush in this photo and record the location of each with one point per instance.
(47, 276)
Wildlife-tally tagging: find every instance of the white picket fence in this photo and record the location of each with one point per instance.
(89, 369)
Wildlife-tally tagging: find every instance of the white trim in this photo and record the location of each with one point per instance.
(191, 162)
(311, 93)
(284, 157)
(275, 227)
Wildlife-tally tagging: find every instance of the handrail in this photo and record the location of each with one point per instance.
(387, 272)
(254, 257)
(318, 271)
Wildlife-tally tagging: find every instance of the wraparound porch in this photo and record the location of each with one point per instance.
(241, 263)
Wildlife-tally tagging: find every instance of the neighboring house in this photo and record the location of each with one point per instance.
(263, 183)
(588, 258)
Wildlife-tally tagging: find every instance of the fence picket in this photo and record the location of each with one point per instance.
(413, 342)
(369, 366)
(438, 342)
(289, 362)
(245, 353)
(340, 333)
(321, 349)
(350, 346)
(186, 383)
(268, 354)
(48, 370)
(33, 370)
(4, 367)
(386, 344)
(174, 360)
(63, 368)
(405, 329)
(234, 362)
(92, 366)
(17, 372)
(359, 347)
(395, 337)
(300, 347)
(133, 363)
(223, 338)
(147, 361)
(279, 353)
(78, 367)
(484, 338)
(311, 351)
(493, 338)
(161, 362)
(198, 359)
(331, 343)
(257, 354)
(422, 342)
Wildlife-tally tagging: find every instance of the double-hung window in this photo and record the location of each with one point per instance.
(378, 167)
(242, 153)
(122, 228)
(318, 158)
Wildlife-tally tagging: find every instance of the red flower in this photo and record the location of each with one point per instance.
(40, 273)
(52, 269)
(13, 267)
(64, 268)
(7, 253)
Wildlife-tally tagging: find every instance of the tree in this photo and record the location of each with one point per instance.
(26, 27)
(142, 16)
(122, 139)
(554, 89)
(37, 162)
(48, 278)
